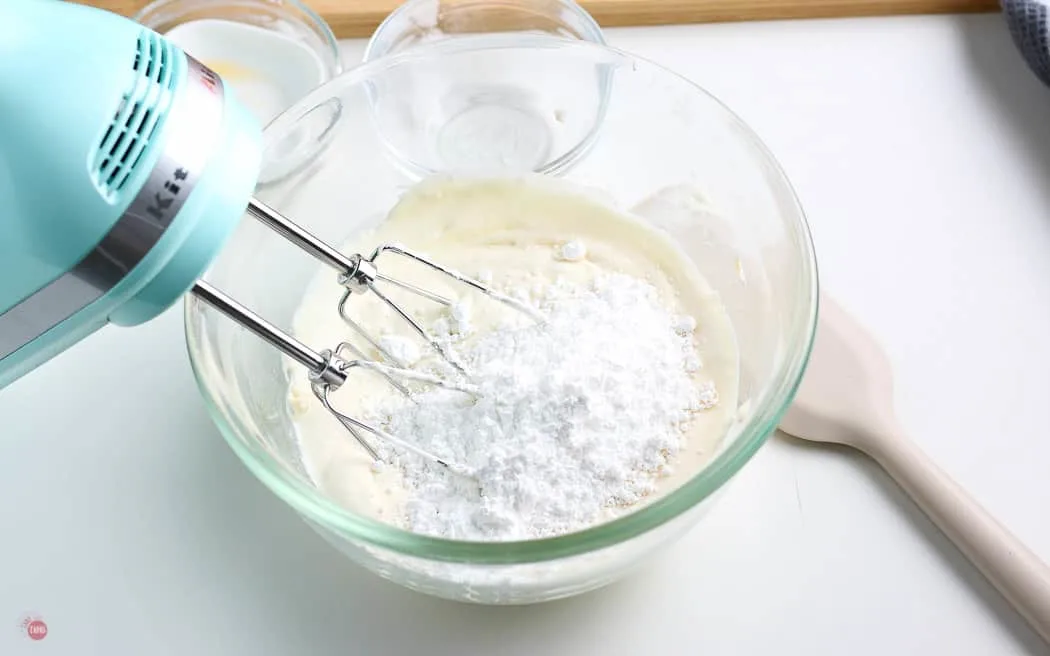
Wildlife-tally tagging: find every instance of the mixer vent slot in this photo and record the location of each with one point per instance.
(139, 114)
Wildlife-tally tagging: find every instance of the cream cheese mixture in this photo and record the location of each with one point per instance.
(621, 391)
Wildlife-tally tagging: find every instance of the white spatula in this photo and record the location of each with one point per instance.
(846, 397)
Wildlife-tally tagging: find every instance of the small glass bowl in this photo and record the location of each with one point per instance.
(271, 52)
(417, 22)
(669, 152)
(486, 116)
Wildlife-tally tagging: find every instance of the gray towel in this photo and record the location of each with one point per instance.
(1029, 22)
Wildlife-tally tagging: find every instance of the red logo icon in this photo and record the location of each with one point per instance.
(34, 627)
(36, 630)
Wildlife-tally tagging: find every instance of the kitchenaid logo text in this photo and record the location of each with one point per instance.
(162, 200)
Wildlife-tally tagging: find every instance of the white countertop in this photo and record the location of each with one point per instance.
(920, 148)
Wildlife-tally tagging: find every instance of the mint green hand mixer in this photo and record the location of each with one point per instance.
(125, 165)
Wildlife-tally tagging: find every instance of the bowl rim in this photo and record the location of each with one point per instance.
(768, 408)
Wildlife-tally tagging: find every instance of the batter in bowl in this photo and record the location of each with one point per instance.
(620, 392)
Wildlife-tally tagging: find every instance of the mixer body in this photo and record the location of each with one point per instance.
(124, 167)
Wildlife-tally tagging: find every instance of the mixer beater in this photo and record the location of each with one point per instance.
(328, 369)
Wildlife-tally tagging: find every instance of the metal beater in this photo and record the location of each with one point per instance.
(329, 368)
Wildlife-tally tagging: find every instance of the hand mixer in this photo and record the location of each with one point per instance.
(124, 167)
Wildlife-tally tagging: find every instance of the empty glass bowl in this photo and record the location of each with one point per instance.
(419, 22)
(495, 103)
(667, 149)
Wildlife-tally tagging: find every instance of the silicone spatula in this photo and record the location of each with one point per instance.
(846, 397)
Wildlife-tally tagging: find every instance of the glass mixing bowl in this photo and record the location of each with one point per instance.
(667, 150)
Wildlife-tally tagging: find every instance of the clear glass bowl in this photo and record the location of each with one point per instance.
(662, 134)
(271, 52)
(492, 103)
(419, 22)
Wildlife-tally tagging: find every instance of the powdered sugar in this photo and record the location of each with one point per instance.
(404, 350)
(576, 416)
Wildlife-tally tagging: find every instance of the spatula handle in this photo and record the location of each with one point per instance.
(1014, 570)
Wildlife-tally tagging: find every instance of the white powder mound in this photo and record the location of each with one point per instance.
(576, 416)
